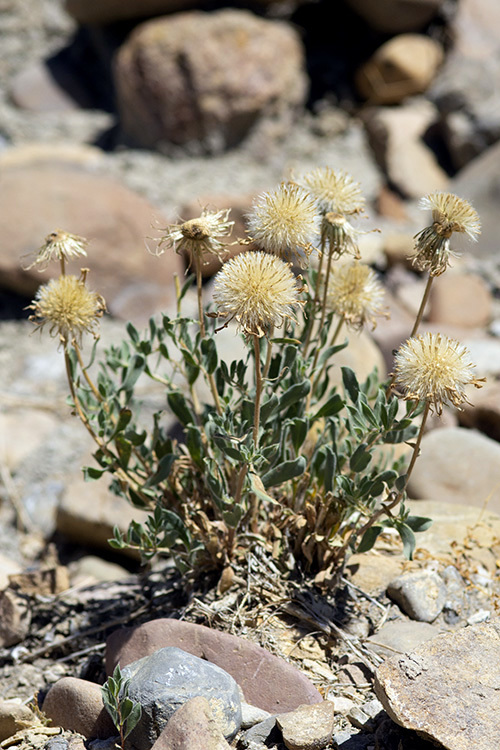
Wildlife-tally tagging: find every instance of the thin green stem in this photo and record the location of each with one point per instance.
(199, 294)
(269, 352)
(258, 390)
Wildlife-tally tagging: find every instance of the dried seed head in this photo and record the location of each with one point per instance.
(59, 245)
(285, 222)
(436, 369)
(68, 308)
(355, 294)
(449, 214)
(339, 235)
(257, 290)
(334, 191)
(198, 237)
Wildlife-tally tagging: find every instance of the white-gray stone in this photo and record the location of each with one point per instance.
(168, 678)
(421, 595)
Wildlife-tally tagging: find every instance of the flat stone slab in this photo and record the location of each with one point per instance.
(447, 689)
(267, 681)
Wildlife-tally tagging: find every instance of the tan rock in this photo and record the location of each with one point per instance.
(14, 717)
(396, 136)
(88, 512)
(46, 582)
(460, 299)
(484, 414)
(77, 705)
(45, 196)
(21, 433)
(192, 727)
(362, 355)
(458, 466)
(447, 688)
(15, 618)
(372, 572)
(202, 81)
(308, 727)
(404, 66)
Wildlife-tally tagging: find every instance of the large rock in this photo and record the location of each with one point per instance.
(402, 67)
(447, 688)
(466, 91)
(165, 680)
(458, 466)
(39, 198)
(396, 136)
(203, 80)
(479, 183)
(461, 299)
(396, 16)
(266, 680)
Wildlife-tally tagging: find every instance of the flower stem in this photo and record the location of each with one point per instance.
(423, 303)
(258, 390)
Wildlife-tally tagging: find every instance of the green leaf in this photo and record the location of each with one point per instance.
(360, 458)
(268, 408)
(408, 539)
(334, 404)
(133, 719)
(124, 450)
(369, 538)
(209, 354)
(298, 432)
(232, 515)
(133, 333)
(329, 351)
(351, 384)
(91, 473)
(284, 472)
(330, 468)
(418, 523)
(294, 394)
(133, 372)
(194, 444)
(179, 406)
(164, 466)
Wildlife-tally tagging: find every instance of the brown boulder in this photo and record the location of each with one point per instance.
(202, 81)
(280, 687)
(77, 705)
(37, 199)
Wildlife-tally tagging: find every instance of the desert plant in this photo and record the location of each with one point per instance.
(125, 713)
(277, 454)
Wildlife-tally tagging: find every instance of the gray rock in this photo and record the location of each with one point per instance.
(457, 466)
(203, 81)
(396, 135)
(466, 90)
(251, 715)
(447, 689)
(421, 595)
(258, 735)
(165, 680)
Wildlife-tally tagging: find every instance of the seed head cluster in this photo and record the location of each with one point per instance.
(198, 237)
(59, 245)
(334, 191)
(285, 222)
(434, 368)
(68, 308)
(449, 214)
(355, 294)
(257, 290)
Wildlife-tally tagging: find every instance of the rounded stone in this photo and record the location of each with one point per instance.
(402, 67)
(203, 81)
(77, 705)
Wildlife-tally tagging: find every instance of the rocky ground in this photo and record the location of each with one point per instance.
(67, 160)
